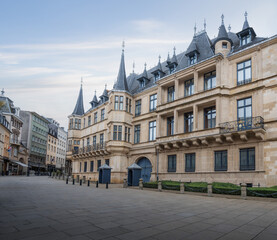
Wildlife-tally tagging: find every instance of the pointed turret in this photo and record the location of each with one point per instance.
(174, 58)
(104, 97)
(222, 33)
(158, 72)
(121, 82)
(143, 79)
(94, 101)
(245, 24)
(79, 108)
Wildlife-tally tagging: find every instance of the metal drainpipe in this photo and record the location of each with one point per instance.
(157, 164)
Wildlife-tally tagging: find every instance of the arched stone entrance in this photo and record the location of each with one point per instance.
(146, 170)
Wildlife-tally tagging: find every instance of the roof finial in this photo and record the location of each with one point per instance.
(174, 49)
(82, 81)
(133, 66)
(123, 45)
(3, 91)
(195, 29)
(205, 25)
(159, 58)
(222, 19)
(229, 28)
(105, 86)
(245, 14)
(95, 92)
(145, 66)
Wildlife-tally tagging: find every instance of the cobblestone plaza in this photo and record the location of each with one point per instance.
(46, 208)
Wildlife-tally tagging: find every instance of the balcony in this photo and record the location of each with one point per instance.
(242, 125)
(14, 141)
(98, 149)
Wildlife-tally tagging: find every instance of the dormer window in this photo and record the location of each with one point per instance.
(192, 59)
(245, 39)
(172, 68)
(157, 76)
(142, 83)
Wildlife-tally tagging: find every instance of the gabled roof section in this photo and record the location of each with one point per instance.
(79, 108)
(121, 82)
(192, 47)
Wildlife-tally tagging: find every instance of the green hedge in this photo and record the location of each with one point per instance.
(151, 185)
(262, 192)
(226, 188)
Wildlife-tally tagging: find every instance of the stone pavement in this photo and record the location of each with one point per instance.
(45, 208)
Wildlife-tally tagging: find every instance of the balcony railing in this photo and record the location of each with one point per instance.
(242, 124)
(90, 148)
(15, 141)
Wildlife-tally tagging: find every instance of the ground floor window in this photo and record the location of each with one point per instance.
(171, 163)
(91, 166)
(190, 162)
(220, 160)
(85, 166)
(247, 159)
(80, 167)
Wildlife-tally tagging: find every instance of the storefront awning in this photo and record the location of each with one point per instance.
(19, 163)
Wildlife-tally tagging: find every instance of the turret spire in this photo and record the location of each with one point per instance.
(79, 107)
(121, 83)
(245, 24)
(205, 25)
(2, 92)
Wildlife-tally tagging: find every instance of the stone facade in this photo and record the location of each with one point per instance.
(214, 117)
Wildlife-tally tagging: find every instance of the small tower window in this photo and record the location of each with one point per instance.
(224, 45)
(157, 76)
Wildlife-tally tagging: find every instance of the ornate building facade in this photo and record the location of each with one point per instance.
(206, 114)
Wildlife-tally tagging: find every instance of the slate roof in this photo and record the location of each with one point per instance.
(121, 82)
(79, 107)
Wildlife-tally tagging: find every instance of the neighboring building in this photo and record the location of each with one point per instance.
(61, 149)
(4, 145)
(52, 141)
(34, 137)
(206, 114)
(17, 164)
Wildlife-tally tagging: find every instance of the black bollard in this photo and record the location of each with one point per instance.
(80, 182)
(66, 180)
(107, 185)
(88, 183)
(96, 184)
(73, 181)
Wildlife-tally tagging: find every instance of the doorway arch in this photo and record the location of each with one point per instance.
(146, 170)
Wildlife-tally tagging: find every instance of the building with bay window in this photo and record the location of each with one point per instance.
(206, 114)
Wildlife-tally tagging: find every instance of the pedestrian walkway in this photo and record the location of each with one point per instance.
(45, 208)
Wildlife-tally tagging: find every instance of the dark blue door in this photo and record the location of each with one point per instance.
(146, 170)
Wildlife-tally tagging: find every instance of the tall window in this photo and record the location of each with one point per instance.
(153, 102)
(171, 94)
(190, 162)
(101, 140)
(188, 120)
(130, 105)
(84, 122)
(94, 141)
(95, 117)
(80, 167)
(116, 102)
(117, 132)
(152, 131)
(91, 166)
(210, 80)
(85, 166)
(121, 103)
(138, 108)
(220, 160)
(102, 114)
(127, 134)
(127, 104)
(88, 141)
(209, 117)
(189, 87)
(244, 73)
(137, 134)
(245, 113)
(170, 126)
(98, 164)
(89, 120)
(247, 159)
(171, 163)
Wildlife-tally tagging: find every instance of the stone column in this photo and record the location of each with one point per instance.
(140, 184)
(195, 117)
(176, 121)
(182, 188)
(210, 190)
(195, 81)
(243, 191)
(159, 186)
(177, 95)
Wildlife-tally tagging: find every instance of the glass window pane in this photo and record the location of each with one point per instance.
(240, 76)
(247, 63)
(240, 65)
(247, 73)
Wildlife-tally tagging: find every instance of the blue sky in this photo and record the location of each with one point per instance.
(47, 46)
